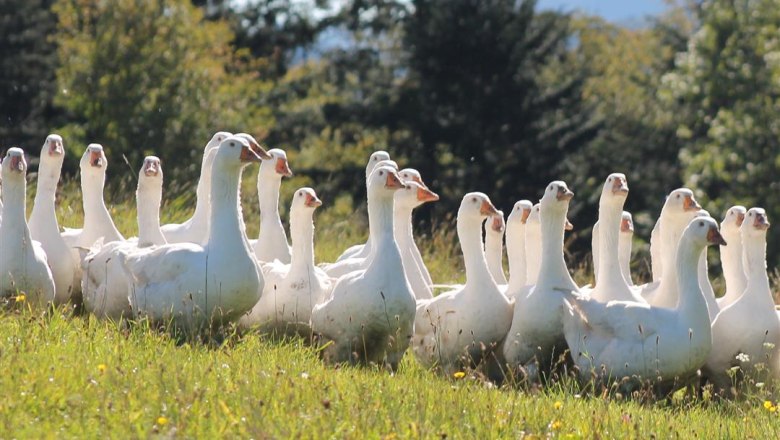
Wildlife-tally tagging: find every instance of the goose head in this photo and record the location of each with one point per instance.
(387, 162)
(733, 219)
(305, 199)
(756, 222)
(384, 181)
(151, 173)
(14, 166)
(410, 174)
(374, 159)
(520, 213)
(217, 139)
(556, 197)
(627, 223)
(413, 195)
(93, 162)
(477, 206)
(53, 148)
(703, 231)
(496, 223)
(277, 166)
(681, 202)
(615, 190)
(237, 151)
(254, 146)
(533, 217)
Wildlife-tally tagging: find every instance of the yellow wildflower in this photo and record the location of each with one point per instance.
(556, 425)
(102, 368)
(162, 421)
(772, 408)
(459, 375)
(20, 298)
(767, 404)
(558, 404)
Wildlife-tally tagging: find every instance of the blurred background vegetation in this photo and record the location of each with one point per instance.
(497, 96)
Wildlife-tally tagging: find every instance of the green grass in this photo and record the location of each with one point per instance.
(74, 376)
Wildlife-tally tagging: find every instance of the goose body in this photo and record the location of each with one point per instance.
(43, 219)
(494, 247)
(292, 290)
(23, 265)
(369, 316)
(195, 228)
(463, 326)
(748, 326)
(200, 286)
(104, 284)
(731, 256)
(536, 335)
(633, 339)
(272, 243)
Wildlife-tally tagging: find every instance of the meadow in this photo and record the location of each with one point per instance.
(69, 375)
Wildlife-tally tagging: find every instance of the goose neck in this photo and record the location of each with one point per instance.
(553, 271)
(691, 303)
(302, 231)
(755, 268)
(380, 218)
(225, 224)
(402, 223)
(148, 201)
(515, 250)
(14, 202)
(609, 272)
(533, 239)
(733, 270)
(624, 257)
(268, 198)
(470, 237)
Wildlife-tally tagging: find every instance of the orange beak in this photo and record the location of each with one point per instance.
(761, 222)
(620, 186)
(487, 208)
(420, 181)
(283, 168)
(393, 181)
(526, 213)
(568, 226)
(96, 159)
(255, 153)
(312, 201)
(690, 204)
(55, 148)
(714, 237)
(426, 195)
(497, 224)
(565, 194)
(626, 225)
(740, 218)
(151, 168)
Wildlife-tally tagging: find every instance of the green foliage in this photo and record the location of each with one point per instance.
(144, 77)
(27, 62)
(725, 91)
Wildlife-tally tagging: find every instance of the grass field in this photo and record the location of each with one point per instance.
(74, 376)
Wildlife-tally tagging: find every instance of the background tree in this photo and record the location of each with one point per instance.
(27, 63)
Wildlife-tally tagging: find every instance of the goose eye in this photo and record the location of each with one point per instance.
(232, 144)
(701, 223)
(678, 196)
(381, 173)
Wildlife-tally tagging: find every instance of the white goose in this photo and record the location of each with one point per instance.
(104, 283)
(43, 220)
(194, 229)
(292, 290)
(406, 200)
(494, 247)
(23, 266)
(516, 225)
(271, 244)
(679, 209)
(412, 175)
(611, 285)
(373, 160)
(749, 325)
(205, 285)
(632, 339)
(704, 277)
(731, 256)
(463, 326)
(536, 336)
(370, 313)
